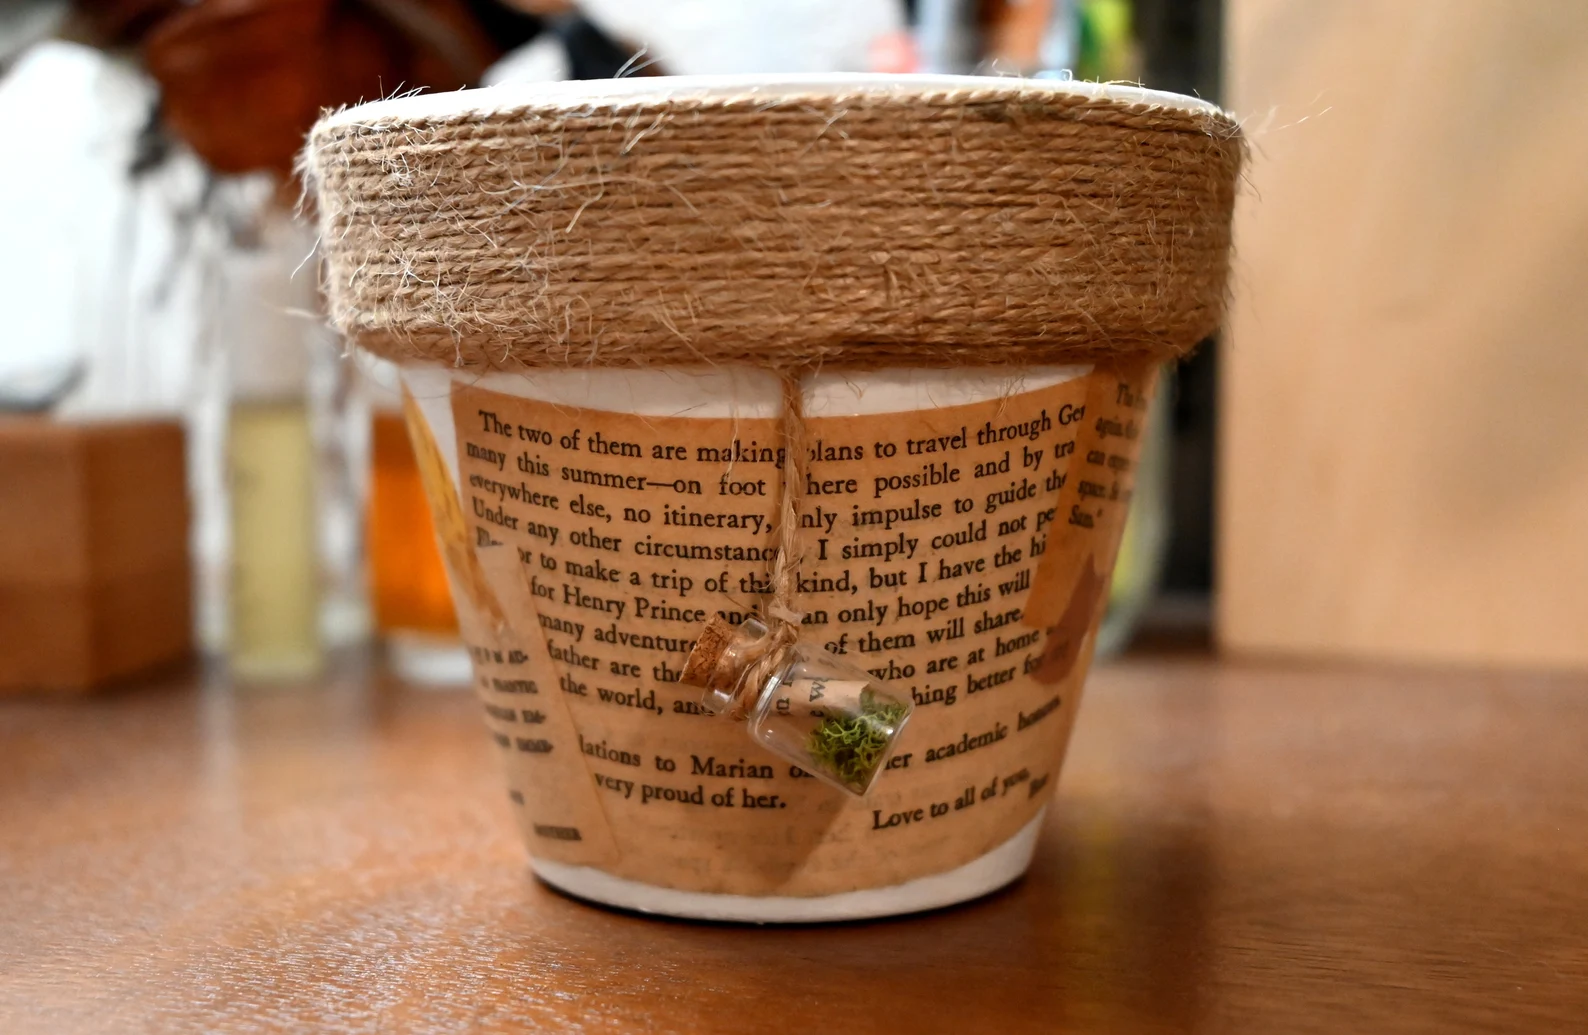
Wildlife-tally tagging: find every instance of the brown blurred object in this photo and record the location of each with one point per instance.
(94, 576)
(1014, 31)
(243, 80)
(1404, 450)
(118, 23)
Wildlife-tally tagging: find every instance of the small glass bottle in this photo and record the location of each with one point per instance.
(834, 720)
(411, 599)
(276, 579)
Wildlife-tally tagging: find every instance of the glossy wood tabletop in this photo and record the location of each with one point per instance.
(1232, 849)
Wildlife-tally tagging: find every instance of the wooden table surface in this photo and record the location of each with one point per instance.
(1232, 849)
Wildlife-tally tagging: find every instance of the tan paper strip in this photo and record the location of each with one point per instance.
(1093, 502)
(922, 533)
(547, 778)
(563, 816)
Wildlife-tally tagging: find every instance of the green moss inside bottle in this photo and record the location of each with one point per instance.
(835, 721)
(852, 748)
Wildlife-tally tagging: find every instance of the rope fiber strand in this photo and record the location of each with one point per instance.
(782, 620)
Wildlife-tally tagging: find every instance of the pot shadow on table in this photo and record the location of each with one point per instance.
(1108, 930)
(1109, 927)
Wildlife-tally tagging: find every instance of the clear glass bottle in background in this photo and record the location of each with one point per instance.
(339, 421)
(264, 324)
(409, 595)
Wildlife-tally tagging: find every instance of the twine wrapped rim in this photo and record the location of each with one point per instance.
(787, 222)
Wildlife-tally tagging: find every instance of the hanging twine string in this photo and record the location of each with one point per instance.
(782, 619)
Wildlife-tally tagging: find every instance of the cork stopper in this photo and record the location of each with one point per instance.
(723, 653)
(701, 666)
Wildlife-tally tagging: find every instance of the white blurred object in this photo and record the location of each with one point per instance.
(948, 37)
(700, 37)
(37, 385)
(73, 113)
(429, 662)
(543, 59)
(1061, 43)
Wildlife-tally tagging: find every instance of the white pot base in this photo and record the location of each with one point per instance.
(992, 871)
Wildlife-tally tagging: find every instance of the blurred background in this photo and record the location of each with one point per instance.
(1383, 456)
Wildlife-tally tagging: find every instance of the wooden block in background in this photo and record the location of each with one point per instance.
(95, 582)
(1404, 407)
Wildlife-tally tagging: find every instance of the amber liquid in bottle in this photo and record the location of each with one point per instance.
(408, 584)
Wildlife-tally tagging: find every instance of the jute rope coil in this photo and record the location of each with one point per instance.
(986, 224)
(983, 225)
